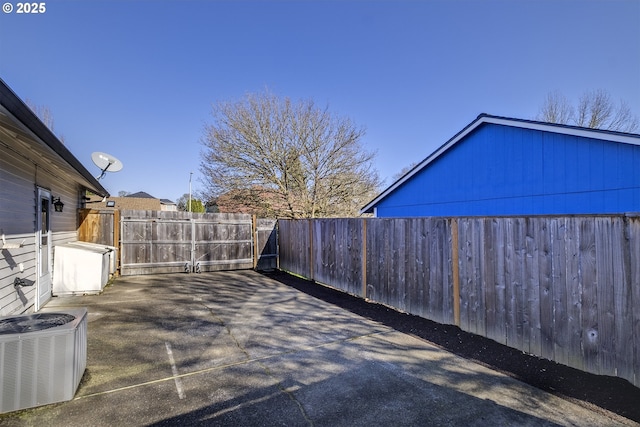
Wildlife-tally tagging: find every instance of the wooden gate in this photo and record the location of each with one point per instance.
(167, 242)
(266, 244)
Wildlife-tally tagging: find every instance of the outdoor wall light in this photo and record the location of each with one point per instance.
(57, 204)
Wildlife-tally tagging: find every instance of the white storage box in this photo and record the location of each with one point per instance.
(113, 252)
(80, 269)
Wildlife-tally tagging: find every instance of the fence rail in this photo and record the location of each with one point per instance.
(562, 288)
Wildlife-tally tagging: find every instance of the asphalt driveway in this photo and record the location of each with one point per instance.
(240, 349)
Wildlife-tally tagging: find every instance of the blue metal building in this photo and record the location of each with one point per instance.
(505, 166)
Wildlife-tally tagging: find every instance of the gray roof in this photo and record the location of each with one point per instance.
(141, 195)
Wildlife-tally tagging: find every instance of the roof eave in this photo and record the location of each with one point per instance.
(18, 109)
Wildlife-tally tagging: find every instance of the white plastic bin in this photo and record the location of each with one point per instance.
(80, 269)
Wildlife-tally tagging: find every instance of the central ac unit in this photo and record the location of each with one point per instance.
(42, 358)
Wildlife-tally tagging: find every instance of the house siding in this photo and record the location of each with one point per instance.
(502, 170)
(19, 180)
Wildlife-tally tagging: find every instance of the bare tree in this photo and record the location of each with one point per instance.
(595, 110)
(45, 115)
(404, 171)
(556, 109)
(293, 159)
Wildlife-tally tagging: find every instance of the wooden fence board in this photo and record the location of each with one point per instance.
(559, 290)
(533, 332)
(411, 238)
(434, 306)
(605, 287)
(633, 235)
(400, 279)
(511, 283)
(479, 307)
(623, 298)
(574, 294)
(294, 247)
(590, 332)
(521, 318)
(543, 237)
(465, 265)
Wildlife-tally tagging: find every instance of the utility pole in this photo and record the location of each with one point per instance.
(190, 173)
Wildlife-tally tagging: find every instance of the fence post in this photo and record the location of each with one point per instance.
(311, 258)
(455, 271)
(116, 239)
(364, 258)
(254, 240)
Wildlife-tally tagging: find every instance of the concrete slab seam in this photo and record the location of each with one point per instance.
(174, 370)
(230, 365)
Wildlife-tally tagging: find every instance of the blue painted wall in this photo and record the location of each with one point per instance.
(503, 170)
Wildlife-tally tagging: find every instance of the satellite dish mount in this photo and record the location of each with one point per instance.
(106, 163)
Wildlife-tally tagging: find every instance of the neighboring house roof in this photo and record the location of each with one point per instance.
(505, 121)
(135, 201)
(141, 195)
(38, 140)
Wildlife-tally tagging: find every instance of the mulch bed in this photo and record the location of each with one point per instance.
(589, 390)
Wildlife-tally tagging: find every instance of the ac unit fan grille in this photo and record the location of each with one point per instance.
(34, 322)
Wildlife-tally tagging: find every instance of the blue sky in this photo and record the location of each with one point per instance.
(136, 79)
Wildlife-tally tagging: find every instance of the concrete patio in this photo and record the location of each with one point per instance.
(240, 349)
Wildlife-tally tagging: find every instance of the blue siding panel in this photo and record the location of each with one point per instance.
(503, 170)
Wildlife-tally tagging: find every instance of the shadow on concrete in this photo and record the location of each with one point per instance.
(611, 393)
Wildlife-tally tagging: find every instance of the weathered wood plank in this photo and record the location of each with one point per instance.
(411, 239)
(422, 269)
(559, 290)
(480, 306)
(532, 334)
(605, 289)
(511, 283)
(633, 235)
(543, 238)
(497, 231)
(466, 272)
(435, 278)
(622, 298)
(590, 327)
(574, 293)
(446, 272)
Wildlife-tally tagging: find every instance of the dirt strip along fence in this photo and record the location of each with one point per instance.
(152, 242)
(562, 288)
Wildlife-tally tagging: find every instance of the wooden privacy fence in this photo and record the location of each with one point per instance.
(99, 226)
(166, 242)
(563, 288)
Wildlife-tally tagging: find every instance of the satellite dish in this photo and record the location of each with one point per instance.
(106, 163)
